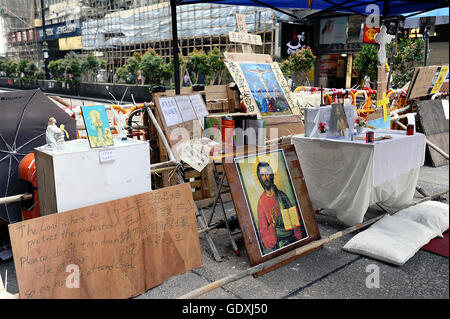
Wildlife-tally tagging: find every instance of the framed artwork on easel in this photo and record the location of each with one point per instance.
(261, 83)
(272, 203)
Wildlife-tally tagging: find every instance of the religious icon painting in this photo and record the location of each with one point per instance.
(97, 126)
(272, 203)
(339, 117)
(271, 199)
(263, 87)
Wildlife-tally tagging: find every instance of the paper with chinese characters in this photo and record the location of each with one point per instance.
(170, 111)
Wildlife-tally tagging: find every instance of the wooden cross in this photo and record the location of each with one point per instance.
(382, 38)
(242, 36)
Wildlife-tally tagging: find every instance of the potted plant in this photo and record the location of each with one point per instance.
(323, 130)
(360, 123)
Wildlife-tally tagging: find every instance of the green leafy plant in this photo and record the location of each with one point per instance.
(122, 74)
(30, 70)
(89, 66)
(197, 65)
(154, 68)
(410, 54)
(10, 67)
(366, 62)
(22, 66)
(56, 69)
(298, 64)
(216, 66)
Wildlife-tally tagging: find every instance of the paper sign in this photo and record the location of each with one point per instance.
(170, 111)
(117, 249)
(445, 107)
(195, 153)
(199, 105)
(107, 155)
(438, 79)
(185, 108)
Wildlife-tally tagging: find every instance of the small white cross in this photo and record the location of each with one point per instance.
(382, 38)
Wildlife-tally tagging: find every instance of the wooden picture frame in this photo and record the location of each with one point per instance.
(245, 211)
(261, 83)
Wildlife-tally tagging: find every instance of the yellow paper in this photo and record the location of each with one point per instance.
(441, 77)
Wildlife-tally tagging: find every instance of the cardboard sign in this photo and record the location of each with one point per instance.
(116, 249)
(427, 80)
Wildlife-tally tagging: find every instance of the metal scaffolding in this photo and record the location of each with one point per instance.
(117, 33)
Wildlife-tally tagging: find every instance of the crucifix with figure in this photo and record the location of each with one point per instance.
(382, 38)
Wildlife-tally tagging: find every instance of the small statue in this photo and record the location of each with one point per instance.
(54, 135)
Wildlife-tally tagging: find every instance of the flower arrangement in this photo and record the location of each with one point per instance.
(323, 127)
(360, 121)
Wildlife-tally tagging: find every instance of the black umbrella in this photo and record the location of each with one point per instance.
(23, 121)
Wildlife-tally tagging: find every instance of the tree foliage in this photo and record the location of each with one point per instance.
(154, 68)
(410, 54)
(298, 64)
(366, 62)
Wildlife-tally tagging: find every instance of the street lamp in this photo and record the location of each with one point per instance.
(45, 52)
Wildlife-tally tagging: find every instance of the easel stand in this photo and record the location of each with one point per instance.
(198, 213)
(218, 199)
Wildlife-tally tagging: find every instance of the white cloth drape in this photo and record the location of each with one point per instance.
(349, 176)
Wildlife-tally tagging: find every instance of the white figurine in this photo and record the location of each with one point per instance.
(54, 135)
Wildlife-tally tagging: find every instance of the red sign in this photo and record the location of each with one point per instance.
(24, 36)
(369, 34)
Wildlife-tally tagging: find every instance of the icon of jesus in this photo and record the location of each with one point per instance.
(278, 218)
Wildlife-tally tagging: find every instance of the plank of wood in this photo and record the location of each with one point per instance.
(285, 125)
(436, 128)
(120, 248)
(45, 183)
(248, 57)
(441, 140)
(432, 117)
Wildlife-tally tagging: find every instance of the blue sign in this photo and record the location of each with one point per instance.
(60, 30)
(381, 124)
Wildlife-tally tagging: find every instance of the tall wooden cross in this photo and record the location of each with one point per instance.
(382, 38)
(242, 37)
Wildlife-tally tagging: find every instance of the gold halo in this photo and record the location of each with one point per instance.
(94, 112)
(271, 158)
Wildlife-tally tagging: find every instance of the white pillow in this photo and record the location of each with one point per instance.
(391, 239)
(434, 215)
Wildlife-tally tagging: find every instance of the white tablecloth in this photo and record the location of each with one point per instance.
(349, 176)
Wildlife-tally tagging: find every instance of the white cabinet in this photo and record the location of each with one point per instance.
(78, 176)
